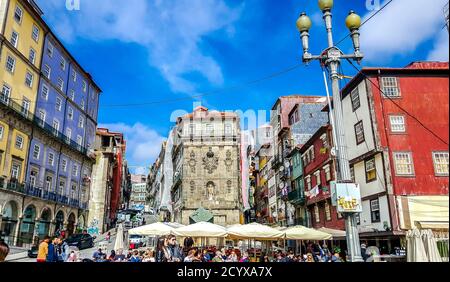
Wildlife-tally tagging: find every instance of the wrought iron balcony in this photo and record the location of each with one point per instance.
(276, 162)
(25, 113)
(296, 197)
(32, 190)
(16, 187)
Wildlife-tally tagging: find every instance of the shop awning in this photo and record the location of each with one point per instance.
(434, 225)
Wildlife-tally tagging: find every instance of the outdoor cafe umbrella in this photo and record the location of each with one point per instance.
(202, 230)
(334, 232)
(415, 249)
(154, 229)
(303, 233)
(430, 245)
(118, 245)
(254, 231)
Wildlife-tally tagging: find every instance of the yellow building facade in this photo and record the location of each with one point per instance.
(22, 35)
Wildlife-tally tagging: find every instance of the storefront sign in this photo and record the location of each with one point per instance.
(346, 197)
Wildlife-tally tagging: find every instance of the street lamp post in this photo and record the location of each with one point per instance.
(331, 58)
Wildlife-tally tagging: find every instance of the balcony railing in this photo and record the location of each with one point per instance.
(25, 113)
(276, 162)
(16, 187)
(296, 197)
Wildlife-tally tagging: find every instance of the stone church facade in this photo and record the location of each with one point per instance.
(207, 167)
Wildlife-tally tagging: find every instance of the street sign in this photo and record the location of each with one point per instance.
(348, 198)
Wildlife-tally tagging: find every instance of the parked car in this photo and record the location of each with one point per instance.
(33, 252)
(81, 241)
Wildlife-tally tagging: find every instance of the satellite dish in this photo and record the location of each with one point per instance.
(287, 164)
(281, 168)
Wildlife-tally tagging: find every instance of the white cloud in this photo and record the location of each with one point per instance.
(400, 28)
(143, 144)
(171, 30)
(440, 48)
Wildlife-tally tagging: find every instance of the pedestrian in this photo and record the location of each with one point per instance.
(244, 258)
(175, 251)
(97, 254)
(190, 256)
(232, 257)
(206, 256)
(65, 250)
(336, 257)
(364, 252)
(4, 250)
(135, 257)
(43, 250)
(112, 256)
(120, 256)
(197, 256)
(218, 257)
(187, 245)
(52, 253)
(162, 252)
(108, 237)
(309, 257)
(72, 257)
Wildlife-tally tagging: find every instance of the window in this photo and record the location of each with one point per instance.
(375, 210)
(308, 183)
(50, 50)
(327, 211)
(41, 117)
(29, 79)
(44, 93)
(6, 93)
(32, 56)
(36, 152)
(359, 133)
(48, 183)
(64, 165)
(79, 140)
(35, 33)
(55, 126)
(397, 123)
(81, 122)
(316, 213)
(58, 104)
(371, 170)
(74, 191)
(352, 173)
(354, 95)
(228, 129)
(10, 64)
(209, 129)
(440, 161)
(317, 175)
(62, 184)
(19, 142)
(33, 175)
(327, 172)
(15, 171)
(51, 159)
(70, 113)
(68, 134)
(74, 75)
(47, 71)
(18, 14)
(84, 86)
(390, 87)
(72, 95)
(14, 38)
(62, 64)
(1, 132)
(82, 104)
(403, 164)
(61, 84)
(74, 170)
(25, 107)
(324, 139)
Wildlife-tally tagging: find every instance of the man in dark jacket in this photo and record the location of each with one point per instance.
(52, 255)
(175, 251)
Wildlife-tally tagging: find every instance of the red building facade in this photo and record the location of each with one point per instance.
(408, 125)
(318, 172)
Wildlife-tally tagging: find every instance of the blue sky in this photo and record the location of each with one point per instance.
(159, 50)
